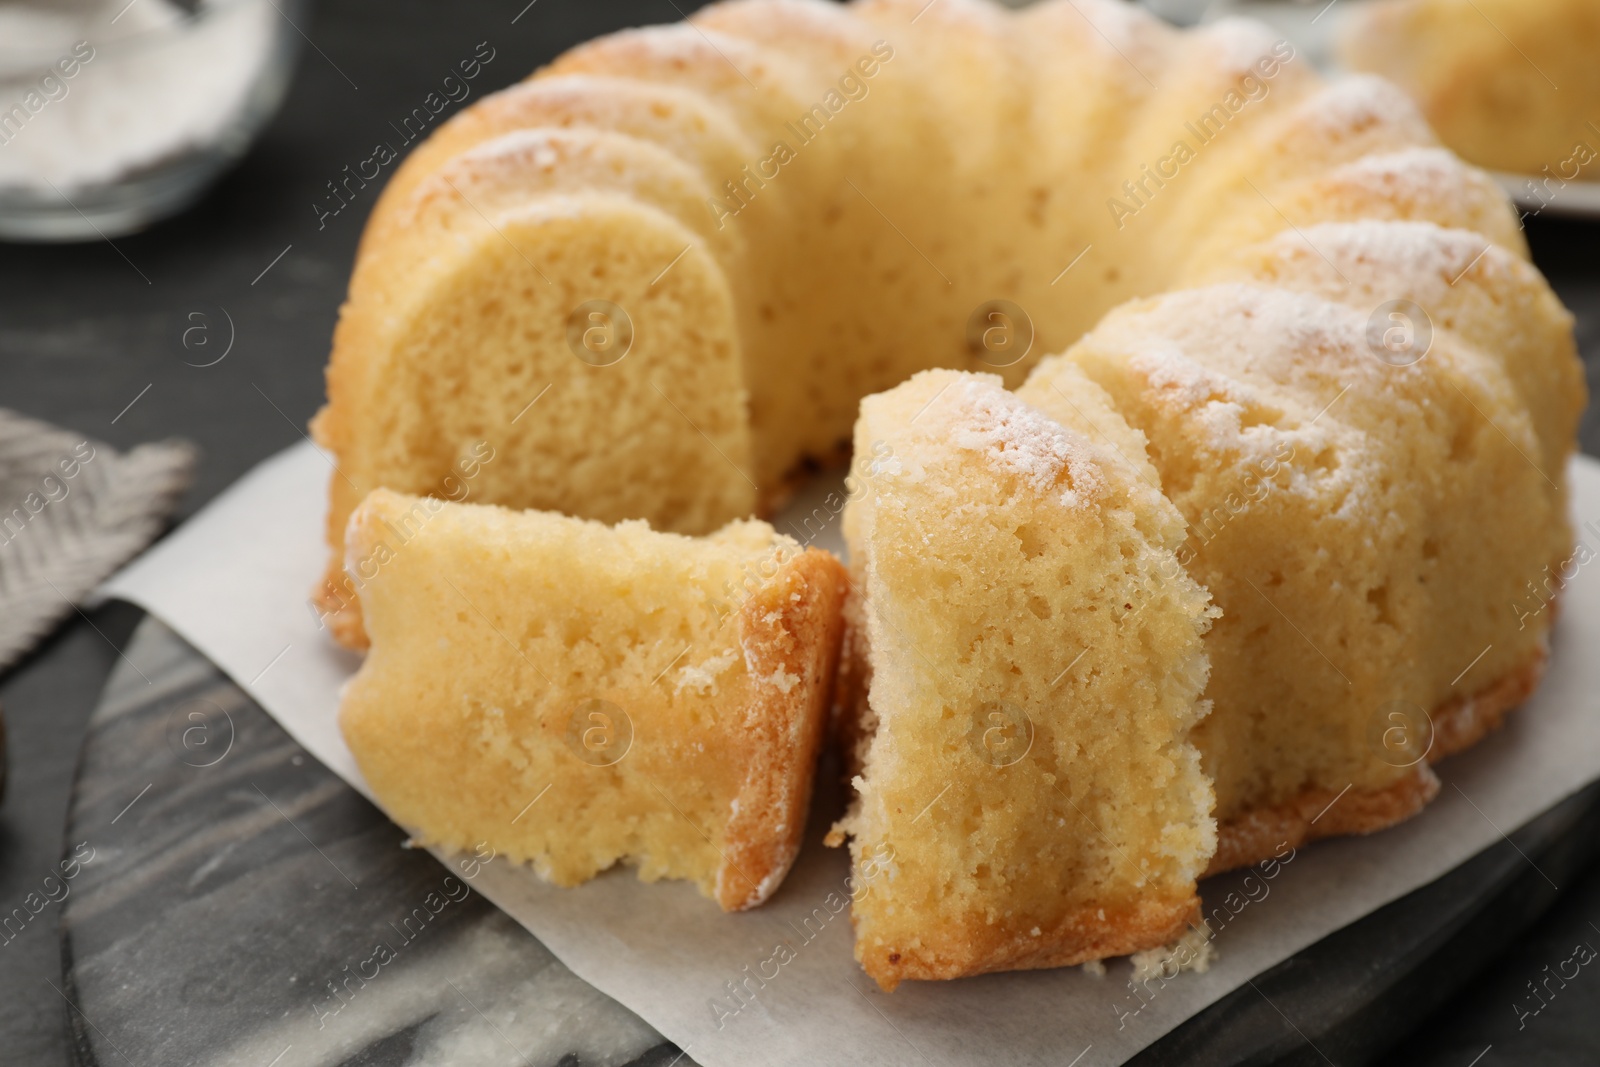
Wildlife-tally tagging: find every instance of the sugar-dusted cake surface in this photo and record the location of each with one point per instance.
(658, 276)
(1027, 795)
(1366, 518)
(577, 695)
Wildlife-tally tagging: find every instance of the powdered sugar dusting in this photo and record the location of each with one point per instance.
(1260, 321)
(1408, 252)
(1239, 43)
(1230, 356)
(1165, 366)
(1010, 434)
(1361, 100)
(1214, 400)
(153, 86)
(1412, 171)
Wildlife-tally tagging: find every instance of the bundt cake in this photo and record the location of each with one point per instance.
(1027, 768)
(1307, 366)
(658, 276)
(575, 695)
(1513, 85)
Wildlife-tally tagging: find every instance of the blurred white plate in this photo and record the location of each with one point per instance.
(1580, 198)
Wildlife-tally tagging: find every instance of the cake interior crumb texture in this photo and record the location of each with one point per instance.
(575, 695)
(1028, 795)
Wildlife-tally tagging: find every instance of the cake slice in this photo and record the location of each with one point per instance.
(1364, 506)
(1028, 796)
(575, 695)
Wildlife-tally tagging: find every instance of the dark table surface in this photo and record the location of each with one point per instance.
(87, 329)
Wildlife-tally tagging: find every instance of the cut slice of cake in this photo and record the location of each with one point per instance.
(575, 695)
(1028, 796)
(1364, 506)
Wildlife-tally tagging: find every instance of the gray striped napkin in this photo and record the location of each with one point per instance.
(72, 510)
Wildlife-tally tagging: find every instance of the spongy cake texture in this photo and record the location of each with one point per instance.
(1028, 796)
(575, 696)
(693, 248)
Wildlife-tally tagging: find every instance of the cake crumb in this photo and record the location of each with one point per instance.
(703, 678)
(1094, 968)
(782, 680)
(1193, 951)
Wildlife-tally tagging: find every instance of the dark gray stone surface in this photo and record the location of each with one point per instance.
(1349, 998)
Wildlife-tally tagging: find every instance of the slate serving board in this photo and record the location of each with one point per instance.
(236, 893)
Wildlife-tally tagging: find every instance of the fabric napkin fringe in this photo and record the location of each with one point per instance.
(73, 510)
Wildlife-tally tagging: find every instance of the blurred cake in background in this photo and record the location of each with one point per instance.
(1511, 85)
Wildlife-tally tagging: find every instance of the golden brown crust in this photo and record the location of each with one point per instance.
(1458, 724)
(962, 948)
(789, 631)
(1317, 813)
(1462, 722)
(339, 608)
(334, 596)
(852, 723)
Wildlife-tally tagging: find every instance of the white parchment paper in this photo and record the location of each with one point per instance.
(233, 582)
